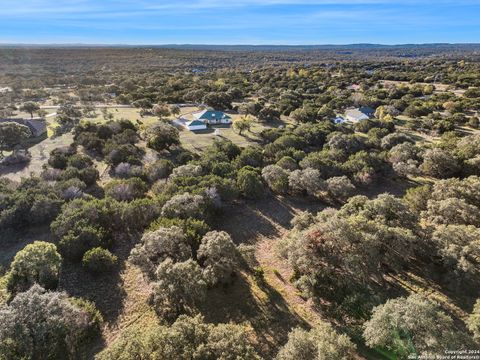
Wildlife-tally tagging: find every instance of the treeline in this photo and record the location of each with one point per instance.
(168, 206)
(34, 68)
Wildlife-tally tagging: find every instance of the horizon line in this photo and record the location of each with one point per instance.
(229, 45)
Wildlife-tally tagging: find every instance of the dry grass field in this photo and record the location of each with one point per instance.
(198, 140)
(193, 141)
(40, 153)
(132, 114)
(267, 307)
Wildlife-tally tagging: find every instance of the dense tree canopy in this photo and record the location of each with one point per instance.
(412, 325)
(12, 134)
(188, 337)
(218, 255)
(322, 342)
(161, 136)
(38, 324)
(179, 288)
(135, 210)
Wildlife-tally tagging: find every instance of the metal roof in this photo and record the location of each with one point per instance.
(211, 115)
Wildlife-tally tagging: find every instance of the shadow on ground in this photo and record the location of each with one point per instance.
(14, 241)
(105, 290)
(396, 186)
(247, 221)
(257, 304)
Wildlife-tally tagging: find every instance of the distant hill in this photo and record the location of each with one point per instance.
(366, 46)
(49, 61)
(274, 48)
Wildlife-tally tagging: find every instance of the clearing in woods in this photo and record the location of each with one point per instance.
(268, 308)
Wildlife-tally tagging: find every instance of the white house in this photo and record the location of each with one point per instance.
(355, 115)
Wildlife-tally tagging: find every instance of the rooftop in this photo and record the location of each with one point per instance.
(211, 115)
(356, 113)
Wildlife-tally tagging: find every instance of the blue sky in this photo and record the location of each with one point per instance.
(239, 22)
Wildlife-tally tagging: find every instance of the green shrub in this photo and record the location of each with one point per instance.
(193, 229)
(99, 260)
(259, 274)
(39, 263)
(126, 190)
(80, 161)
(39, 324)
(81, 239)
(95, 319)
(250, 183)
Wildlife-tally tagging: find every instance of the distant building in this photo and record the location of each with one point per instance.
(5, 90)
(356, 115)
(38, 126)
(339, 120)
(213, 117)
(196, 125)
(198, 71)
(367, 111)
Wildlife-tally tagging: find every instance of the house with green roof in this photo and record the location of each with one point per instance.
(196, 125)
(213, 117)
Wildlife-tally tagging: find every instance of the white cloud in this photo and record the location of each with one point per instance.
(260, 18)
(27, 7)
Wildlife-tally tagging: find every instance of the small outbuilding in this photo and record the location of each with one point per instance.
(38, 126)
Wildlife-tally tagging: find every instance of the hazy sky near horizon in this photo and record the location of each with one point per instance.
(239, 22)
